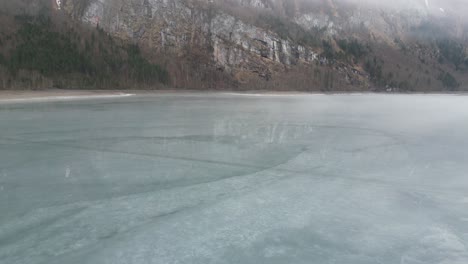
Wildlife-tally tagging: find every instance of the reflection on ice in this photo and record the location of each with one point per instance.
(235, 179)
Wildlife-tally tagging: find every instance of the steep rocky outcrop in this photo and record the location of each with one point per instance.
(251, 55)
(233, 36)
(282, 44)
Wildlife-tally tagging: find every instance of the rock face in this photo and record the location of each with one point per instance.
(178, 26)
(247, 48)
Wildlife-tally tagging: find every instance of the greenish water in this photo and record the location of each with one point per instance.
(224, 178)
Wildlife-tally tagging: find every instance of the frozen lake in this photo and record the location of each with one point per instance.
(220, 178)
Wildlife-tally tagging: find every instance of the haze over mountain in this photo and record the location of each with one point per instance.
(311, 45)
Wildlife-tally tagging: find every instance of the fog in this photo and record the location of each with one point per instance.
(433, 7)
(219, 178)
(453, 5)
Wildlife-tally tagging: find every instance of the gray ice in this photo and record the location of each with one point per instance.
(226, 178)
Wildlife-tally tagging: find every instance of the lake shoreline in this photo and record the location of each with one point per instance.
(12, 96)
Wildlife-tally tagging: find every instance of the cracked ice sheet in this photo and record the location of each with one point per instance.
(218, 178)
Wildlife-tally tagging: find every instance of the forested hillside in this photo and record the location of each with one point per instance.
(43, 51)
(306, 45)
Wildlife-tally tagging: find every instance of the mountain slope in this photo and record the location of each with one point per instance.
(286, 45)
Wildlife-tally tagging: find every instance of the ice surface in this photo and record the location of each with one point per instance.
(224, 178)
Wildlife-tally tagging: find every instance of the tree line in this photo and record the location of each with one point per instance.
(58, 53)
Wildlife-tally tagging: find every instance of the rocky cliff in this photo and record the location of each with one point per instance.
(281, 44)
